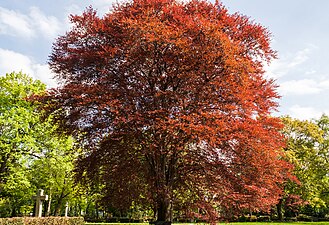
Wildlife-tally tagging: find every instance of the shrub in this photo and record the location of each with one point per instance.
(12, 221)
(251, 218)
(264, 219)
(42, 221)
(291, 219)
(242, 218)
(305, 218)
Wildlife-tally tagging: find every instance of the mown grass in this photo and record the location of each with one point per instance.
(241, 223)
(117, 223)
(281, 223)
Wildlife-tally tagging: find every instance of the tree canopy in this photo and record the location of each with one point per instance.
(307, 150)
(169, 102)
(19, 124)
(31, 155)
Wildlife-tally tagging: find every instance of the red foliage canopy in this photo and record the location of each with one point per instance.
(169, 101)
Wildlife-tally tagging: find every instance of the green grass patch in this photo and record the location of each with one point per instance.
(117, 223)
(280, 223)
(240, 223)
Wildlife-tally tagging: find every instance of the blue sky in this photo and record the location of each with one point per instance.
(300, 31)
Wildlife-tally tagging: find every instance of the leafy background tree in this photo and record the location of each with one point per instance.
(54, 173)
(31, 155)
(307, 150)
(17, 191)
(19, 122)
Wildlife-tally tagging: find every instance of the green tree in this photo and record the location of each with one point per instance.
(323, 160)
(307, 150)
(19, 120)
(32, 156)
(54, 173)
(16, 193)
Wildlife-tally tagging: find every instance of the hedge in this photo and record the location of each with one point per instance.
(42, 221)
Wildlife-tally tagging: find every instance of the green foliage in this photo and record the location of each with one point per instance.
(42, 221)
(307, 149)
(20, 129)
(54, 173)
(20, 126)
(17, 192)
(32, 155)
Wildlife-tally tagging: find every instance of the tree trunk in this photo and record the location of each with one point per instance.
(279, 208)
(59, 205)
(60, 202)
(13, 212)
(164, 212)
(97, 211)
(58, 208)
(3, 168)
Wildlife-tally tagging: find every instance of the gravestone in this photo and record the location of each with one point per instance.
(38, 206)
(66, 209)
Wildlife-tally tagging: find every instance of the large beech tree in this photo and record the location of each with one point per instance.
(170, 105)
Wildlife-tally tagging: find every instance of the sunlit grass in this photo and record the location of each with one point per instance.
(241, 223)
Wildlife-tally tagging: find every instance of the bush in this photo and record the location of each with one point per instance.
(242, 218)
(264, 219)
(251, 218)
(305, 218)
(12, 221)
(42, 221)
(291, 219)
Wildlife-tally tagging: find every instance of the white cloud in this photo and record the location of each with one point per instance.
(310, 72)
(299, 87)
(304, 113)
(31, 25)
(304, 87)
(72, 9)
(48, 26)
(299, 58)
(11, 61)
(281, 67)
(15, 24)
(103, 6)
(324, 84)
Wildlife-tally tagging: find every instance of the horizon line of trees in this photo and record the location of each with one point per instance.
(33, 155)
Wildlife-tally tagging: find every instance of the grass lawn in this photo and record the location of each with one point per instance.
(242, 223)
(282, 223)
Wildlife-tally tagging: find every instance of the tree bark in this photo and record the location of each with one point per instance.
(3, 168)
(164, 212)
(59, 204)
(279, 207)
(58, 207)
(13, 212)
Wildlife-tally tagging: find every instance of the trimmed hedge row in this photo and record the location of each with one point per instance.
(42, 221)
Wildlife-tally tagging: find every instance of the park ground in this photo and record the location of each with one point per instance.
(240, 223)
